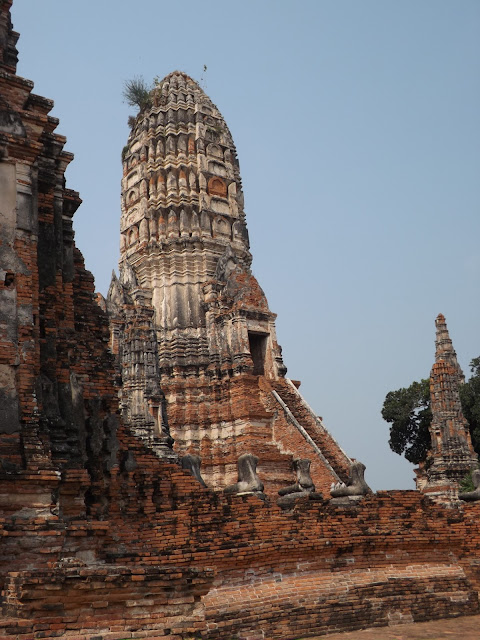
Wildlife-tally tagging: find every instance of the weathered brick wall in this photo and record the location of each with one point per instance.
(393, 556)
(167, 510)
(58, 403)
(219, 420)
(302, 605)
(107, 603)
(334, 466)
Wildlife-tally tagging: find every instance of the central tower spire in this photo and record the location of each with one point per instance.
(182, 210)
(192, 329)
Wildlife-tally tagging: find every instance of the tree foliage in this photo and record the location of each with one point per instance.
(408, 411)
(137, 93)
(470, 398)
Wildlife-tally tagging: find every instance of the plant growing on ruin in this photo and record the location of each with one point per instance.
(157, 84)
(466, 484)
(137, 93)
(470, 399)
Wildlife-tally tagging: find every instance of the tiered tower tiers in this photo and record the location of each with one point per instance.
(185, 278)
(452, 454)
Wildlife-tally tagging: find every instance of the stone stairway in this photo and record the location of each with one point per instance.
(312, 425)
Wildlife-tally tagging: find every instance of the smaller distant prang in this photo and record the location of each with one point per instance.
(451, 455)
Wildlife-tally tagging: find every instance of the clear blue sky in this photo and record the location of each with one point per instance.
(356, 125)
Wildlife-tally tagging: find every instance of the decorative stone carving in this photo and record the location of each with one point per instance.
(127, 276)
(356, 485)
(248, 480)
(225, 265)
(475, 494)
(192, 464)
(134, 343)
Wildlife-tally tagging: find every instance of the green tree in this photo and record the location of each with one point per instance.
(408, 411)
(470, 398)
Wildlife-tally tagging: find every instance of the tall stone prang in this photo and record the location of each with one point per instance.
(185, 274)
(451, 455)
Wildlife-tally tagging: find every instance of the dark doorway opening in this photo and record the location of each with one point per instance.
(258, 346)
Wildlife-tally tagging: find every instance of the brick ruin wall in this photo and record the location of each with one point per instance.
(170, 558)
(245, 409)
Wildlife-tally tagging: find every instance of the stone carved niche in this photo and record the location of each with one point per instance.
(215, 151)
(221, 227)
(217, 168)
(132, 179)
(132, 197)
(133, 236)
(248, 480)
(217, 187)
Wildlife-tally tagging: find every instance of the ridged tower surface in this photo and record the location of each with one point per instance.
(182, 206)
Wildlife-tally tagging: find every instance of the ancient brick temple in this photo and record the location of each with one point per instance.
(58, 406)
(451, 456)
(187, 312)
(103, 535)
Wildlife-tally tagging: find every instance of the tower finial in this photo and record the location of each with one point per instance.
(444, 351)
